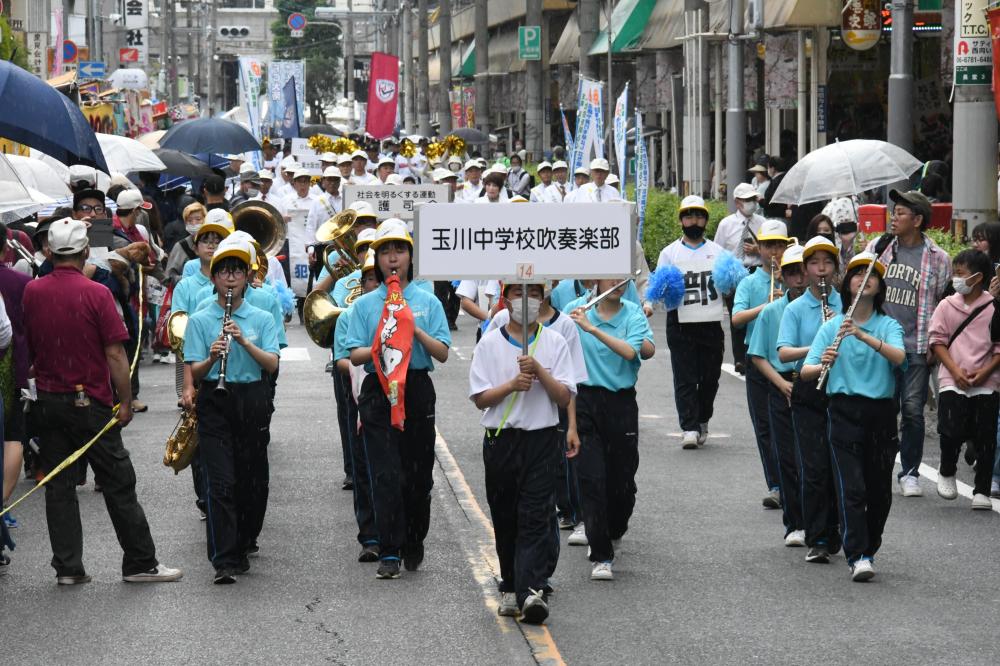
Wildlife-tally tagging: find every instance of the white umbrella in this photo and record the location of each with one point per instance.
(16, 199)
(36, 174)
(125, 155)
(132, 79)
(845, 168)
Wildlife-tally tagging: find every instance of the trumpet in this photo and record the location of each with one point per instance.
(220, 388)
(824, 299)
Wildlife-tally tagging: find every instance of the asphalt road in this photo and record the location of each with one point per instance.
(702, 576)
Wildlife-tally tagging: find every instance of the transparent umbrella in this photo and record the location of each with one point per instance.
(16, 199)
(843, 169)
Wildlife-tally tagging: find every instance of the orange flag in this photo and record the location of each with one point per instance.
(391, 349)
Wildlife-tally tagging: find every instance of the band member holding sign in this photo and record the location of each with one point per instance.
(860, 350)
(297, 207)
(694, 330)
(395, 332)
(520, 396)
(754, 292)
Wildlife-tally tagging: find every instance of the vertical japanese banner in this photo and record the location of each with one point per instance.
(470, 106)
(620, 128)
(289, 127)
(973, 57)
(455, 98)
(383, 86)
(251, 74)
(567, 134)
(57, 45)
(641, 173)
(589, 123)
(279, 73)
(137, 28)
(993, 16)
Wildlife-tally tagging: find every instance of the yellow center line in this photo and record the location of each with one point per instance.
(483, 558)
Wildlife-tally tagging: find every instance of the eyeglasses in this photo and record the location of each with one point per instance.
(87, 208)
(233, 272)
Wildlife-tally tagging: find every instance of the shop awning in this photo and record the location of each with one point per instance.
(63, 80)
(665, 27)
(801, 13)
(567, 50)
(503, 47)
(628, 21)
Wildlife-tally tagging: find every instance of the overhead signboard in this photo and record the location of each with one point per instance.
(396, 200)
(524, 241)
(137, 30)
(973, 50)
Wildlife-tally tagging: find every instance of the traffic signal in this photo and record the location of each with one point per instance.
(234, 31)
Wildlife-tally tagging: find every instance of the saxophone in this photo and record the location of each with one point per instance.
(183, 442)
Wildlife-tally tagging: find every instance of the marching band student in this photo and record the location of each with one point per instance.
(520, 397)
(694, 330)
(395, 332)
(762, 352)
(799, 324)
(352, 376)
(861, 383)
(233, 428)
(753, 293)
(961, 339)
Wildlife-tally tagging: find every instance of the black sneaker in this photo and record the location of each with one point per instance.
(4, 564)
(534, 610)
(347, 484)
(244, 566)
(818, 555)
(225, 577)
(388, 569)
(566, 523)
(253, 550)
(369, 553)
(413, 556)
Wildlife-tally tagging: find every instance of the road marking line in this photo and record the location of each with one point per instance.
(483, 559)
(964, 489)
(711, 435)
(730, 369)
(295, 354)
(650, 416)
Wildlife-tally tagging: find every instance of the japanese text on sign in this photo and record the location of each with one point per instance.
(973, 51)
(396, 200)
(137, 28)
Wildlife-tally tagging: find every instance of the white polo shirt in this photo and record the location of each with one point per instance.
(562, 324)
(495, 363)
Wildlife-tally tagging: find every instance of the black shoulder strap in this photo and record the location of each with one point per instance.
(968, 320)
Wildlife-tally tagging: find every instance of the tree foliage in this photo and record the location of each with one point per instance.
(11, 50)
(321, 49)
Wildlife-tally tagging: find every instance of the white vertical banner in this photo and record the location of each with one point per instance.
(589, 124)
(251, 73)
(137, 28)
(620, 127)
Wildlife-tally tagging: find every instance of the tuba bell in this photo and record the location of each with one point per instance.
(320, 315)
(338, 234)
(176, 325)
(262, 221)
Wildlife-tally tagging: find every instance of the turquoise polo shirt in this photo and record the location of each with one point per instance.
(753, 290)
(263, 297)
(191, 267)
(340, 289)
(802, 319)
(204, 327)
(568, 291)
(765, 334)
(185, 297)
(859, 369)
(428, 315)
(605, 368)
(340, 350)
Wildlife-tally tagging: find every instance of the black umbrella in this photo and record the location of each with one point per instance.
(307, 131)
(209, 135)
(37, 115)
(182, 164)
(471, 135)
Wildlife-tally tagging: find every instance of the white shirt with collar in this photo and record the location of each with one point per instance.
(468, 193)
(553, 194)
(731, 232)
(537, 193)
(277, 202)
(591, 193)
(325, 207)
(367, 179)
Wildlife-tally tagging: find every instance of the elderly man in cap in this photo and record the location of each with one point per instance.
(344, 164)
(473, 186)
(581, 176)
(446, 177)
(271, 157)
(359, 172)
(249, 186)
(386, 166)
(300, 242)
(597, 190)
(327, 204)
(267, 194)
(556, 191)
(537, 193)
(916, 276)
(75, 338)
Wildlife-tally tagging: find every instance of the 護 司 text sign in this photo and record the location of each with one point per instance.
(524, 241)
(396, 200)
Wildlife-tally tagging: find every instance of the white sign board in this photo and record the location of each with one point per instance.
(306, 156)
(524, 241)
(973, 50)
(137, 28)
(396, 200)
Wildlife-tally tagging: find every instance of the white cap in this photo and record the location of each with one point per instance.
(499, 167)
(745, 191)
(818, 243)
(473, 164)
(359, 155)
(455, 159)
(692, 202)
(331, 172)
(600, 163)
(288, 163)
(394, 179)
(582, 171)
(559, 164)
(773, 230)
(612, 179)
(246, 166)
(328, 157)
(300, 172)
(344, 159)
(79, 173)
(792, 255)
(132, 199)
(363, 209)
(387, 160)
(440, 174)
(218, 221)
(266, 174)
(67, 236)
(365, 236)
(543, 165)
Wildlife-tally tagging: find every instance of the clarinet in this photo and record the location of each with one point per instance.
(824, 292)
(220, 388)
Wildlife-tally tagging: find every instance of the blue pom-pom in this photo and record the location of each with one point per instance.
(285, 298)
(728, 272)
(455, 283)
(666, 285)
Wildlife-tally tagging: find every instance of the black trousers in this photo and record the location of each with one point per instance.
(962, 418)
(608, 423)
(233, 436)
(342, 395)
(737, 335)
(786, 456)
(810, 419)
(519, 489)
(568, 503)
(758, 389)
(401, 462)
(63, 428)
(863, 442)
(696, 358)
(364, 503)
(450, 301)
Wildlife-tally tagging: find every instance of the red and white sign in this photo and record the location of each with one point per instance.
(383, 95)
(128, 55)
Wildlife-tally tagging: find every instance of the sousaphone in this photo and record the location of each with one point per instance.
(262, 221)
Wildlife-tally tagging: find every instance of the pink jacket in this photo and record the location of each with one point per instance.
(973, 348)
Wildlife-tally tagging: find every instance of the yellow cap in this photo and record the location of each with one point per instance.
(234, 247)
(392, 229)
(865, 258)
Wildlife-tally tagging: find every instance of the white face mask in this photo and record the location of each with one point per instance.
(252, 192)
(749, 208)
(534, 305)
(961, 285)
(191, 228)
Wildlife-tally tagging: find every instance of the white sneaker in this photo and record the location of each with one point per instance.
(690, 439)
(508, 605)
(910, 486)
(169, 358)
(602, 571)
(702, 434)
(981, 502)
(862, 570)
(947, 487)
(579, 536)
(796, 539)
(159, 574)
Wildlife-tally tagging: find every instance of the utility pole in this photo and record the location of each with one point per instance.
(609, 122)
(535, 117)
(444, 71)
(900, 130)
(172, 56)
(482, 67)
(348, 30)
(210, 58)
(588, 14)
(423, 84)
(736, 117)
(409, 107)
(192, 60)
